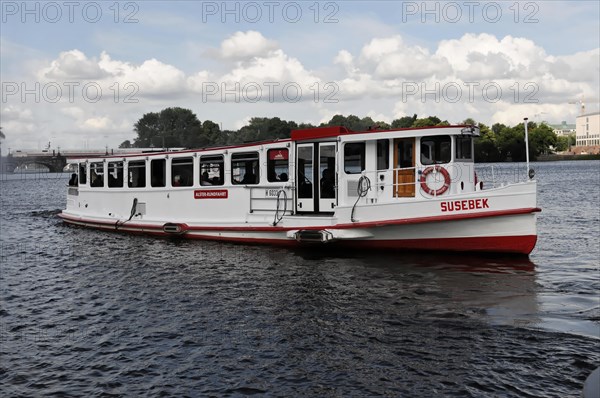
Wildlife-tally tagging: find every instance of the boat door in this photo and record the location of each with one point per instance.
(327, 184)
(316, 187)
(404, 167)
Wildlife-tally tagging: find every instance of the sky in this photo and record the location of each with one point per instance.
(80, 74)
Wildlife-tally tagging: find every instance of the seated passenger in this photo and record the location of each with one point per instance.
(177, 181)
(249, 178)
(283, 177)
(205, 180)
(73, 180)
(96, 180)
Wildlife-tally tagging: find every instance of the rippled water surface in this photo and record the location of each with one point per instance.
(89, 313)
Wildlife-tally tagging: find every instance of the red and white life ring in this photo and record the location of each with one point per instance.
(440, 190)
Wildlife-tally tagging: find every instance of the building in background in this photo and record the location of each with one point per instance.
(563, 129)
(588, 133)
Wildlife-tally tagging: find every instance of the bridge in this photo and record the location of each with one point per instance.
(56, 160)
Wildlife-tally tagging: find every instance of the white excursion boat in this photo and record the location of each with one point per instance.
(388, 189)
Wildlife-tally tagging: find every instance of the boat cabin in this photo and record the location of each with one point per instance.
(314, 172)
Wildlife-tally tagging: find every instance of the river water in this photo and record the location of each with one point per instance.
(90, 313)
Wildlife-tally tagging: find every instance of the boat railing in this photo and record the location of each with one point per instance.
(498, 175)
(267, 198)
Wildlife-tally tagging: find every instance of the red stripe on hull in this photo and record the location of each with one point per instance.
(523, 244)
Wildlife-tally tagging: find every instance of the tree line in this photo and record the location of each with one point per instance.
(181, 128)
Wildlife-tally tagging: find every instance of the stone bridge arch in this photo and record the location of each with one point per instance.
(54, 164)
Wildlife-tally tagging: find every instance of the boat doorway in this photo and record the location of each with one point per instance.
(316, 186)
(404, 167)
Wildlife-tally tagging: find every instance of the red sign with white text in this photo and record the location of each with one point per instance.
(211, 194)
(278, 154)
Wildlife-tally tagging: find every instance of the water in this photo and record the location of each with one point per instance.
(90, 313)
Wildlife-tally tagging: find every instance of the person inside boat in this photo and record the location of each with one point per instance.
(73, 180)
(96, 180)
(328, 184)
(249, 178)
(176, 181)
(205, 180)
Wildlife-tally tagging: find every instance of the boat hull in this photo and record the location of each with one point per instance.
(494, 232)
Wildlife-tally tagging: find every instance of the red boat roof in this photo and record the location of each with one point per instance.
(334, 131)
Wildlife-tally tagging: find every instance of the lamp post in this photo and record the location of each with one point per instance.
(526, 145)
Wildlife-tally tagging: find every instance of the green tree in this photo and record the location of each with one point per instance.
(352, 122)
(263, 128)
(171, 127)
(541, 140)
(381, 125)
(436, 120)
(404, 122)
(306, 126)
(511, 143)
(125, 144)
(486, 148)
(425, 122)
(564, 142)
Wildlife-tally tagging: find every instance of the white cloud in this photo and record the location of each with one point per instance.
(485, 56)
(97, 123)
(74, 112)
(369, 78)
(16, 113)
(346, 60)
(152, 77)
(73, 64)
(248, 44)
(276, 67)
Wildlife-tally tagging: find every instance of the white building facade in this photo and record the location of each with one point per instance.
(588, 129)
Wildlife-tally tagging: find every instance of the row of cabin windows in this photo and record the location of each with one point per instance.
(245, 170)
(434, 150)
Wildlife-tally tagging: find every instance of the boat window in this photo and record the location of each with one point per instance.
(182, 172)
(327, 171)
(354, 157)
(136, 172)
(244, 168)
(305, 171)
(405, 153)
(383, 154)
(277, 165)
(115, 174)
(158, 172)
(97, 174)
(463, 148)
(212, 170)
(435, 150)
(82, 173)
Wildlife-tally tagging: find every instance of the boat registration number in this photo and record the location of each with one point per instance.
(271, 193)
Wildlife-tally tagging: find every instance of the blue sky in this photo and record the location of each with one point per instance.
(384, 59)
